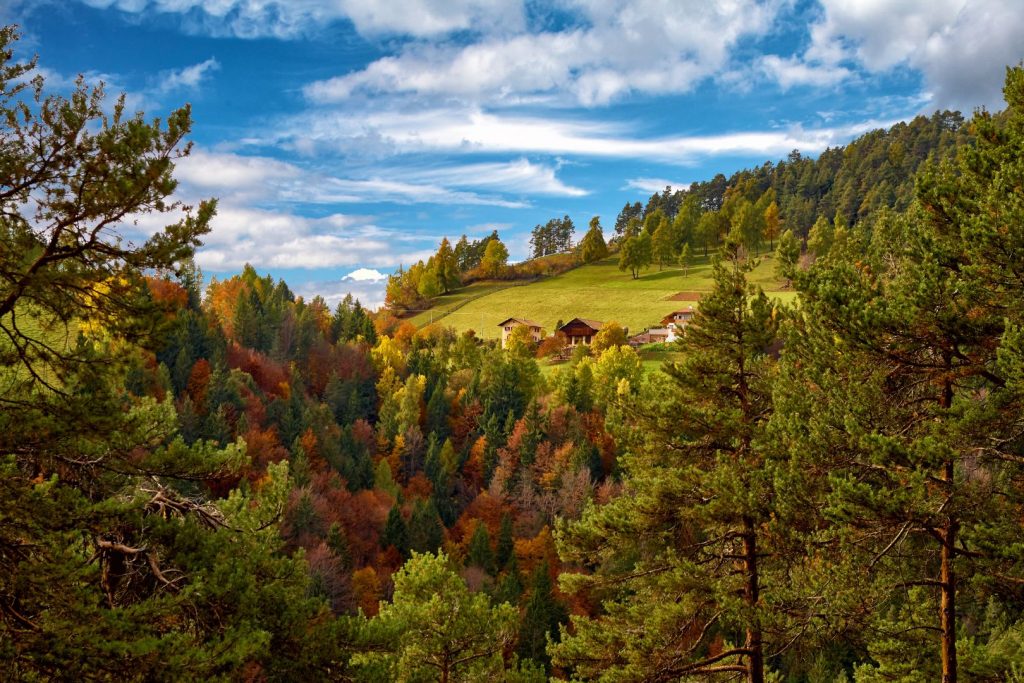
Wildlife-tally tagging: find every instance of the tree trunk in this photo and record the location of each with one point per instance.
(751, 594)
(948, 586)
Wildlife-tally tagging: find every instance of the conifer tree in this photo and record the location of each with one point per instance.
(686, 554)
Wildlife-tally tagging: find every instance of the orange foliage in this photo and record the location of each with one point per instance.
(366, 590)
(552, 345)
(220, 300)
(263, 448)
(404, 334)
(167, 292)
(532, 551)
(198, 382)
(485, 509)
(473, 470)
(418, 487)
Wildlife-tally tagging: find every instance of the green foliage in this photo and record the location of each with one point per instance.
(635, 254)
(542, 616)
(495, 259)
(437, 630)
(479, 553)
(699, 486)
(592, 247)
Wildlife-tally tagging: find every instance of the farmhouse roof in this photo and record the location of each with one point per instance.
(521, 321)
(592, 324)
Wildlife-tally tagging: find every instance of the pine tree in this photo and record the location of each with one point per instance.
(479, 553)
(700, 485)
(395, 533)
(542, 616)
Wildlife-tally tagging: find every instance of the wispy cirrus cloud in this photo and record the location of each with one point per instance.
(475, 131)
(264, 179)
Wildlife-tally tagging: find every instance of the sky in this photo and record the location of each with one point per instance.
(344, 138)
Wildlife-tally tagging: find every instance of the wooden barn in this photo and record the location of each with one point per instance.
(580, 330)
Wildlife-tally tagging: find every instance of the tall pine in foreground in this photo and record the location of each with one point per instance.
(684, 562)
(114, 565)
(904, 387)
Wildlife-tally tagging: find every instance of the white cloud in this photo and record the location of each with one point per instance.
(645, 46)
(519, 176)
(369, 293)
(265, 180)
(365, 275)
(472, 130)
(189, 77)
(790, 72)
(960, 46)
(651, 185)
(293, 18)
(276, 239)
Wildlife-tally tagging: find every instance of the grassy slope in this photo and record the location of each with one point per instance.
(599, 291)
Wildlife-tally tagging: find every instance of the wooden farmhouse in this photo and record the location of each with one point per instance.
(679, 318)
(580, 330)
(536, 332)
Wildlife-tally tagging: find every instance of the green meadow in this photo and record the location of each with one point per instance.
(598, 291)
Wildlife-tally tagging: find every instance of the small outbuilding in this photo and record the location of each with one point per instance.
(536, 331)
(580, 330)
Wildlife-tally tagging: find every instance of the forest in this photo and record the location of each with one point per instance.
(222, 481)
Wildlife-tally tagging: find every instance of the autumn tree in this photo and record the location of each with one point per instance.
(494, 260)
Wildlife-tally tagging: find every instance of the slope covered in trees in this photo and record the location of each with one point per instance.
(239, 484)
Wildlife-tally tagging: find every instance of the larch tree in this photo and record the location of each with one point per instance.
(495, 259)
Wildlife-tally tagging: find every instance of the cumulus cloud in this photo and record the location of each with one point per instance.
(617, 48)
(365, 275)
(960, 46)
(369, 293)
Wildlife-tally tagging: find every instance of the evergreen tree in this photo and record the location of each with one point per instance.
(504, 550)
(435, 629)
(700, 485)
(542, 616)
(592, 247)
(479, 553)
(395, 533)
(425, 531)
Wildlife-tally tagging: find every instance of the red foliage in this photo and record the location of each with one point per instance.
(271, 377)
(263, 448)
(418, 487)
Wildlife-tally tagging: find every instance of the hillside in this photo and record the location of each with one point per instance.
(599, 291)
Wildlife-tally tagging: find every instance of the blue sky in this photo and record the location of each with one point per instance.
(347, 136)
